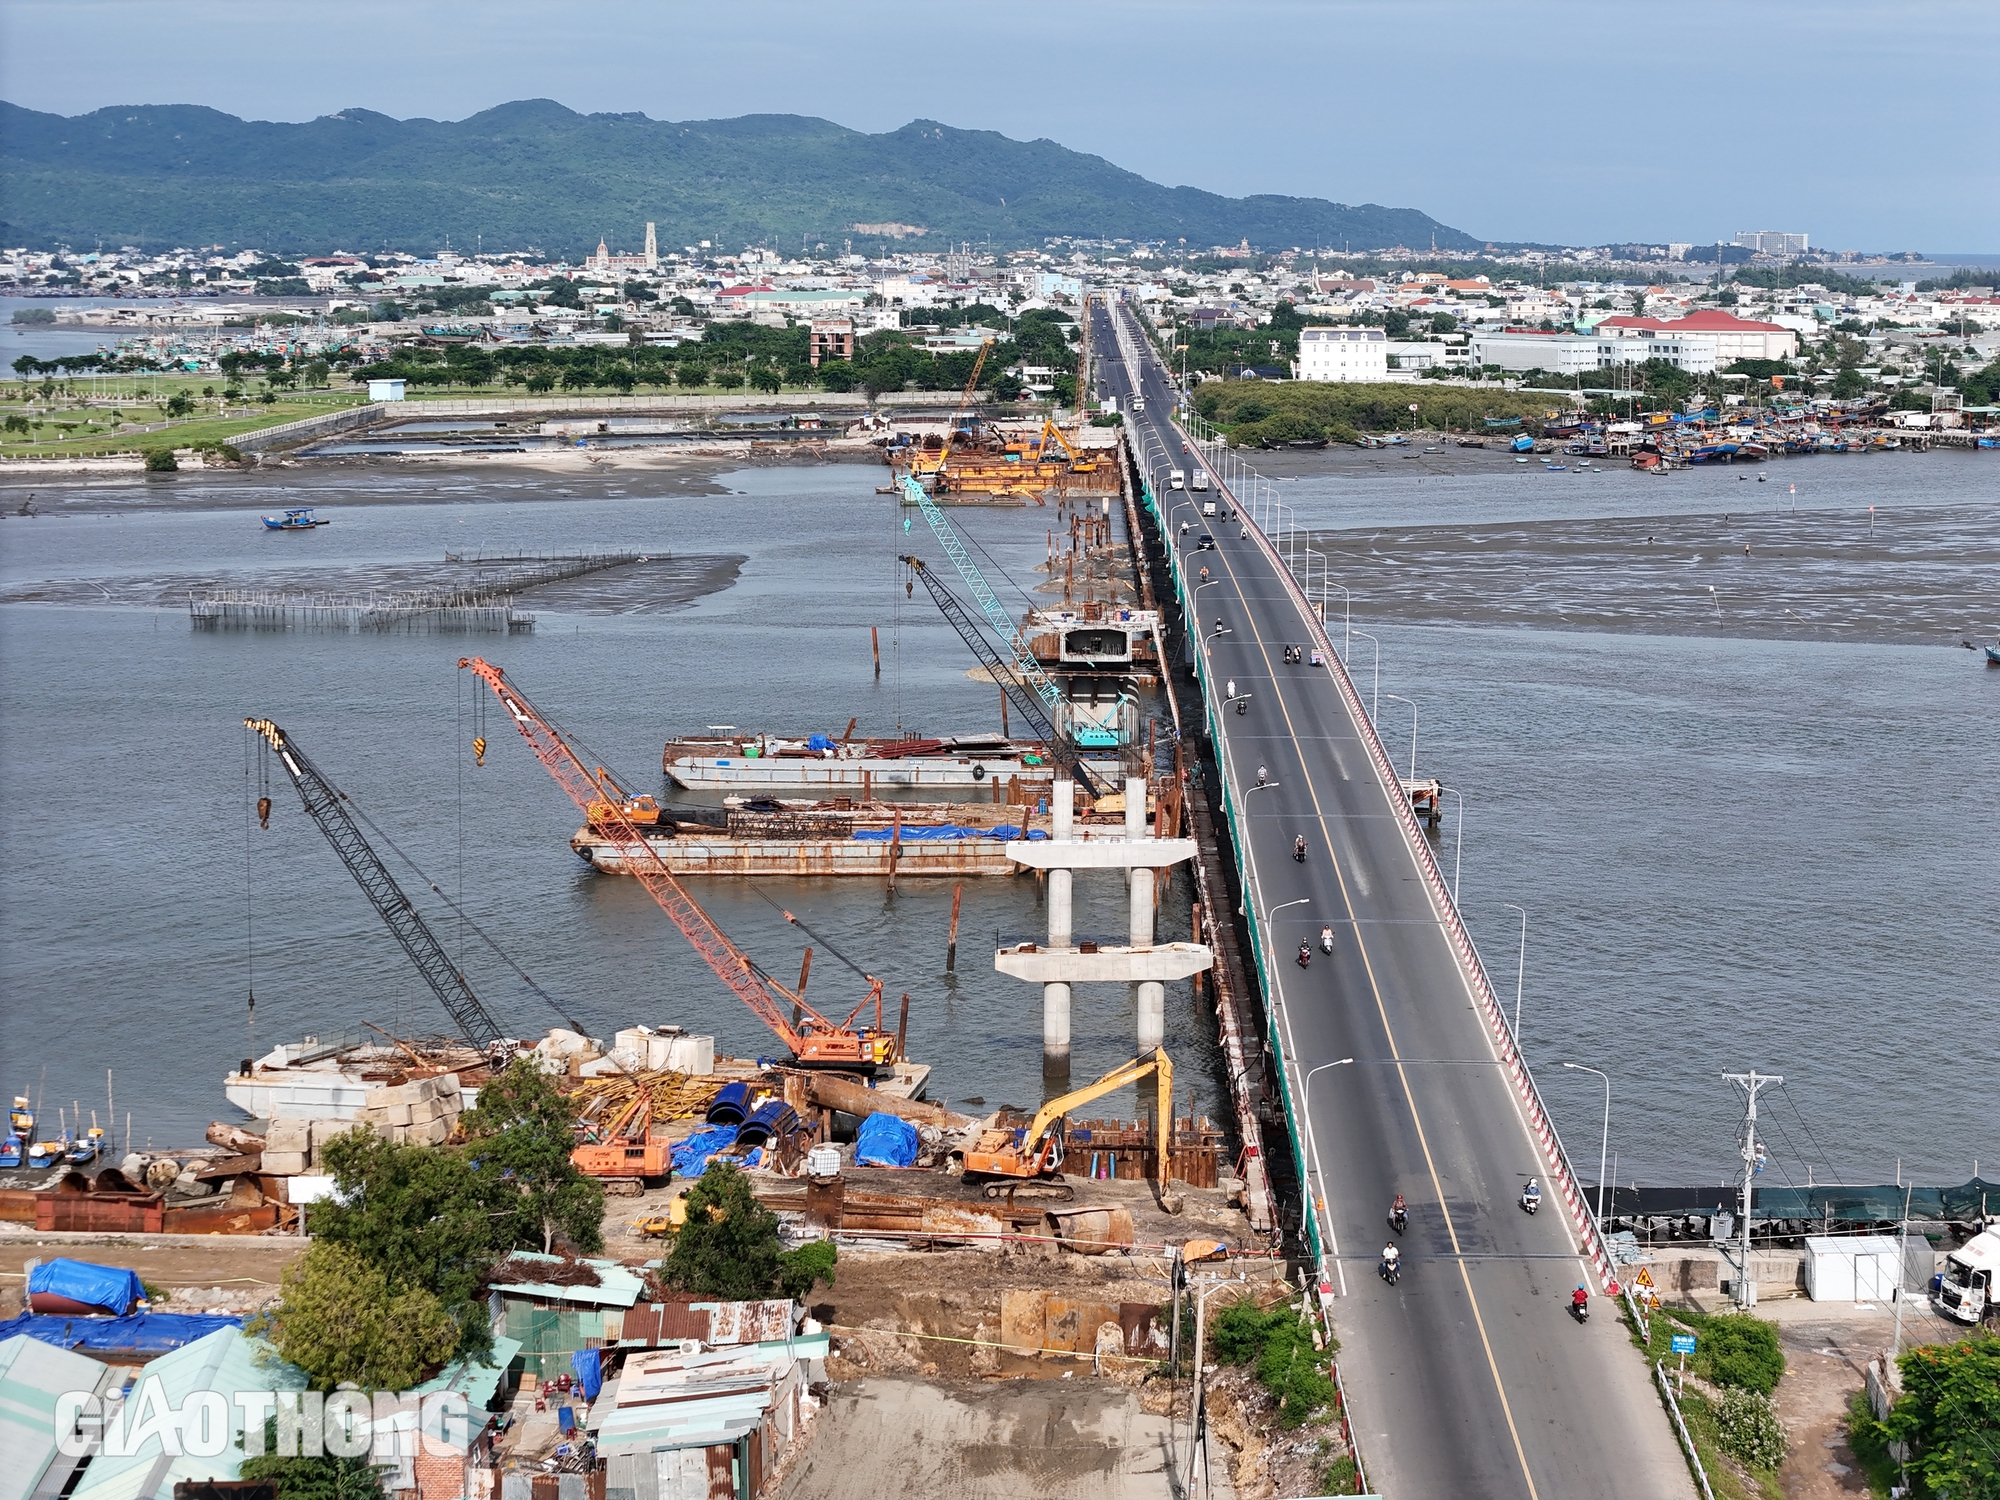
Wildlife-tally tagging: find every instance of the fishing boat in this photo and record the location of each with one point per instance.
(1993, 656)
(13, 1150)
(21, 1118)
(87, 1150)
(302, 519)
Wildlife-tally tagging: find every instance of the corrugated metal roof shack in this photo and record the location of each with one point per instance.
(694, 1423)
(552, 1320)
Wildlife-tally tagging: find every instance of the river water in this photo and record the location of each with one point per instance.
(1735, 850)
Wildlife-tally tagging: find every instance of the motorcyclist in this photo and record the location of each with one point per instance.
(1579, 1300)
(1391, 1256)
(1299, 847)
(1532, 1192)
(1260, 775)
(1399, 1213)
(1229, 689)
(1305, 955)
(1326, 940)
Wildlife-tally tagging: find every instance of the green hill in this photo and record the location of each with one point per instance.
(534, 174)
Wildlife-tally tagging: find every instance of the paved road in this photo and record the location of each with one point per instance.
(1470, 1377)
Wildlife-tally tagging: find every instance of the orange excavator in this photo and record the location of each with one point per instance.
(813, 1040)
(627, 1161)
(1028, 1161)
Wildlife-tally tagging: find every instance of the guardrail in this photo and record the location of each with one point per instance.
(1541, 1124)
(1687, 1443)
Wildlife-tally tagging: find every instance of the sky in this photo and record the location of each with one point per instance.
(1860, 122)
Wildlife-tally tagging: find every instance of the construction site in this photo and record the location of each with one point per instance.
(980, 1248)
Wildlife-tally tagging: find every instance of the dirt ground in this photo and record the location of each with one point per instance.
(241, 1268)
(1078, 1439)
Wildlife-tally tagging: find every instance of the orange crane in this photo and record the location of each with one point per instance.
(812, 1039)
(957, 417)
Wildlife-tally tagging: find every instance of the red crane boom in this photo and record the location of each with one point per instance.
(812, 1039)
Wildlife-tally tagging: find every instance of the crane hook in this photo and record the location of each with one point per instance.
(263, 812)
(479, 749)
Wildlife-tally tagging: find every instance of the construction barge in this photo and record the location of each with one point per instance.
(965, 762)
(832, 836)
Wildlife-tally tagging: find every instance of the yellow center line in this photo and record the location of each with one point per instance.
(1402, 1072)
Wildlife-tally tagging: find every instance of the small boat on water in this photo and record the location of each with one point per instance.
(87, 1150)
(1993, 656)
(302, 519)
(13, 1150)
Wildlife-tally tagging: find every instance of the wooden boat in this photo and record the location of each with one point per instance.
(302, 519)
(86, 1150)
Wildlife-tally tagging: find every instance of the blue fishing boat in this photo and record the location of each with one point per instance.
(1993, 656)
(86, 1150)
(302, 519)
(12, 1150)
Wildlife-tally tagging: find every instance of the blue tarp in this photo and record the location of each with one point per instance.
(692, 1155)
(885, 1141)
(589, 1367)
(931, 832)
(820, 742)
(110, 1287)
(143, 1333)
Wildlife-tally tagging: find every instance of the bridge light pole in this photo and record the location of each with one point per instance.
(1375, 704)
(1458, 840)
(1413, 731)
(1604, 1143)
(1312, 1136)
(1520, 968)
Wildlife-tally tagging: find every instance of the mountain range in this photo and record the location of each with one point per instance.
(534, 174)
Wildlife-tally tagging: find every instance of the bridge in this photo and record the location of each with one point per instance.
(1397, 1064)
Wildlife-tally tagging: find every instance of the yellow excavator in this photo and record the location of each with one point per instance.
(1028, 1161)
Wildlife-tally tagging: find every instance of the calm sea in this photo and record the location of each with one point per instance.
(1734, 852)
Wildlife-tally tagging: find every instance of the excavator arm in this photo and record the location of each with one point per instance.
(1154, 1062)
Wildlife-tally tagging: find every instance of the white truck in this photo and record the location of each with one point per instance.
(1139, 405)
(1176, 479)
(1965, 1289)
(1200, 481)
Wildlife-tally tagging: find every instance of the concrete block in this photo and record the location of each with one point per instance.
(424, 1111)
(447, 1085)
(432, 1134)
(284, 1163)
(689, 1054)
(382, 1097)
(425, 1090)
(288, 1136)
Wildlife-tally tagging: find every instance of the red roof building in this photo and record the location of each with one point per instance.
(1735, 338)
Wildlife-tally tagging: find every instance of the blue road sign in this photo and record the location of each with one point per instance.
(1683, 1343)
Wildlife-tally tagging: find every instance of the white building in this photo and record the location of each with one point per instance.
(1558, 353)
(1770, 242)
(1343, 354)
(1735, 338)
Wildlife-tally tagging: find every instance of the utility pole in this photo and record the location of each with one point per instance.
(1753, 1161)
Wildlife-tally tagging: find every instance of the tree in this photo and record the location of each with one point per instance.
(767, 379)
(179, 404)
(1949, 1415)
(728, 1249)
(1396, 324)
(161, 461)
(318, 1477)
(1446, 323)
(541, 381)
(523, 1126)
(838, 375)
(338, 1319)
(424, 1216)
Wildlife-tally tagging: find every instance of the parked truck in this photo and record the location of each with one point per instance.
(1965, 1286)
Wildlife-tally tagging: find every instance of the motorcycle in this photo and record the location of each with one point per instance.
(1305, 955)
(1399, 1220)
(1531, 1201)
(1326, 940)
(1581, 1309)
(1243, 705)
(1299, 850)
(1392, 1269)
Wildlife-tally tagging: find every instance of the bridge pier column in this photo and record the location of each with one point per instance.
(1150, 999)
(1056, 997)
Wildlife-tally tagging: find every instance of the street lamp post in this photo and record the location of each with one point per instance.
(1375, 700)
(1413, 731)
(1312, 1136)
(1604, 1142)
(1348, 645)
(1520, 969)
(1458, 840)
